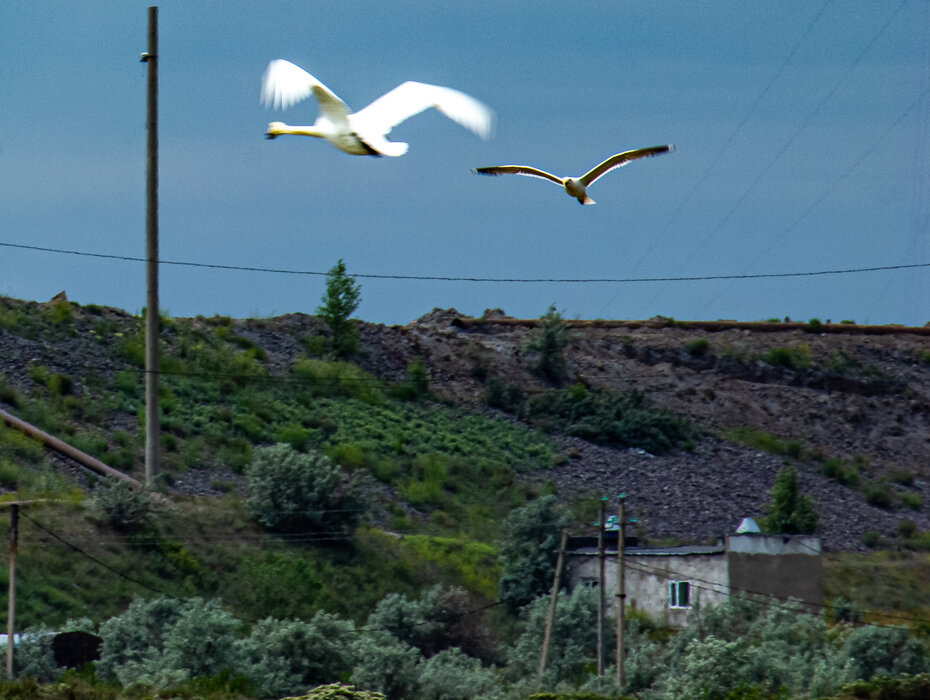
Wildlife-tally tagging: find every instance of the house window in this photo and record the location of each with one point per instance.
(679, 594)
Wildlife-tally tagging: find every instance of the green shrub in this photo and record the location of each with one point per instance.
(292, 491)
(507, 397)
(124, 508)
(7, 393)
(284, 657)
(813, 326)
(341, 299)
(914, 501)
(906, 529)
(548, 342)
(698, 347)
(871, 538)
(605, 417)
(878, 494)
(166, 641)
(528, 550)
(789, 512)
(60, 384)
(797, 356)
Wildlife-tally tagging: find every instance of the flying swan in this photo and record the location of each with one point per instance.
(577, 186)
(363, 133)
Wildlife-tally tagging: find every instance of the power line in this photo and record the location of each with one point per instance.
(669, 573)
(511, 280)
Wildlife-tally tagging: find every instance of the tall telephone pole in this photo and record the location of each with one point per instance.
(11, 600)
(553, 599)
(152, 423)
(601, 592)
(621, 593)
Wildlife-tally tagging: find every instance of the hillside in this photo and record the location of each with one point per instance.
(849, 405)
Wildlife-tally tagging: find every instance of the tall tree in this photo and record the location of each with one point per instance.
(548, 341)
(342, 297)
(790, 512)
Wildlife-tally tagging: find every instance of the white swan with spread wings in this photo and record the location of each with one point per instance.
(364, 133)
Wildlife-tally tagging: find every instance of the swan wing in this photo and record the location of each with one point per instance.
(411, 98)
(285, 84)
(621, 159)
(520, 170)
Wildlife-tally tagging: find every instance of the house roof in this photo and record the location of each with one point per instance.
(654, 551)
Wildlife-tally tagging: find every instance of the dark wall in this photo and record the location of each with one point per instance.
(782, 575)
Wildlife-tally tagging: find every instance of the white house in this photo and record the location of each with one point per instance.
(667, 582)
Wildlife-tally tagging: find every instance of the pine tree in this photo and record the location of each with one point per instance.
(789, 512)
(342, 297)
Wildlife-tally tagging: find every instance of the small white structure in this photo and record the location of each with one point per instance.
(667, 582)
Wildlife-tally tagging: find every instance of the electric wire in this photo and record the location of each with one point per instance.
(804, 124)
(715, 586)
(496, 280)
(723, 149)
(450, 617)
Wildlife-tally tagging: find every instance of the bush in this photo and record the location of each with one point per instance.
(166, 641)
(789, 512)
(529, 551)
(342, 297)
(284, 657)
(292, 491)
(548, 342)
(124, 508)
(697, 348)
(608, 418)
(878, 494)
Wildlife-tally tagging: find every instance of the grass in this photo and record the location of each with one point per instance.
(887, 582)
(766, 442)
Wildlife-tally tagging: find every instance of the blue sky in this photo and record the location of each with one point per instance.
(801, 131)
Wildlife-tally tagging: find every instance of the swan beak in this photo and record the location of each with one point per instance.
(270, 136)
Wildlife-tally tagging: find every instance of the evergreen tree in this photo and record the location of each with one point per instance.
(548, 341)
(529, 551)
(789, 512)
(342, 297)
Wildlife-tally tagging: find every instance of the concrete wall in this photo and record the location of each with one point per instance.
(779, 565)
(647, 581)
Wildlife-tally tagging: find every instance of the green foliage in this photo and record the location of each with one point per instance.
(124, 508)
(878, 494)
(284, 657)
(337, 379)
(166, 641)
(789, 512)
(342, 297)
(761, 440)
(548, 342)
(796, 356)
(845, 472)
(507, 397)
(7, 393)
(873, 650)
(698, 348)
(416, 385)
(292, 491)
(813, 326)
(529, 550)
(887, 688)
(339, 691)
(605, 417)
(573, 642)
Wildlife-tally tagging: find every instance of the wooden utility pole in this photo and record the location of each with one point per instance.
(553, 597)
(152, 423)
(11, 600)
(601, 592)
(621, 593)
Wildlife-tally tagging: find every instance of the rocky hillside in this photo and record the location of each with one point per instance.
(836, 393)
(849, 405)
